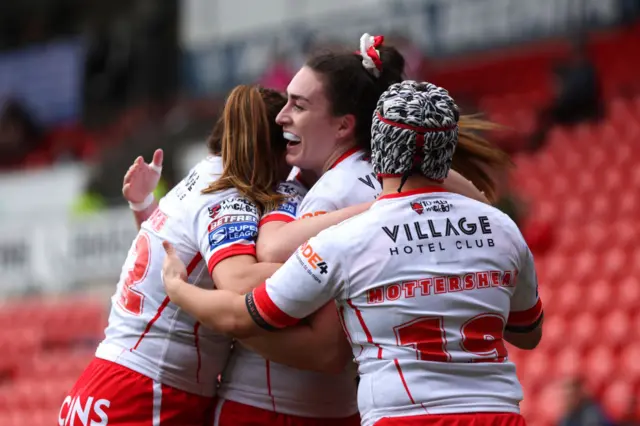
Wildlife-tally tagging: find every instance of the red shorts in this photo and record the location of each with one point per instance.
(107, 392)
(230, 413)
(463, 419)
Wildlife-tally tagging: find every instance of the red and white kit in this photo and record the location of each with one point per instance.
(175, 359)
(426, 281)
(254, 381)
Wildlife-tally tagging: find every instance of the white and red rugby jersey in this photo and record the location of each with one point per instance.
(287, 211)
(251, 379)
(146, 332)
(426, 282)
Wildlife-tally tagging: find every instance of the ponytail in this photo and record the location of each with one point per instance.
(476, 158)
(244, 137)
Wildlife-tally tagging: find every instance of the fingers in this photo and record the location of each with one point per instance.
(158, 156)
(168, 248)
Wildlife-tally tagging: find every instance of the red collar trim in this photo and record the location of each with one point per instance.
(424, 190)
(344, 156)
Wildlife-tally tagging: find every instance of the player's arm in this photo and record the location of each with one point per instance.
(227, 235)
(304, 284)
(524, 325)
(458, 184)
(277, 243)
(317, 343)
(139, 183)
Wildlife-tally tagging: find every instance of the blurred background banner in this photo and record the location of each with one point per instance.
(246, 44)
(47, 78)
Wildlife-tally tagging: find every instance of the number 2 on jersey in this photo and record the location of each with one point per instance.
(131, 299)
(481, 335)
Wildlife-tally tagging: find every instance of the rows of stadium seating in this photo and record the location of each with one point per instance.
(586, 180)
(44, 350)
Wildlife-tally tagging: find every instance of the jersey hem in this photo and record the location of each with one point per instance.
(288, 407)
(373, 416)
(129, 359)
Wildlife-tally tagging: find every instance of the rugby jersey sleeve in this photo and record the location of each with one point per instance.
(311, 277)
(287, 211)
(526, 307)
(227, 228)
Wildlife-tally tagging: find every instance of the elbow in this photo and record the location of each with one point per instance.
(269, 252)
(528, 345)
(525, 341)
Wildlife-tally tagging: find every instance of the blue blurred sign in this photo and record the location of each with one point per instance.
(46, 78)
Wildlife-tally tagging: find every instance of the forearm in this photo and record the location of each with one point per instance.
(319, 344)
(283, 243)
(248, 278)
(142, 215)
(219, 310)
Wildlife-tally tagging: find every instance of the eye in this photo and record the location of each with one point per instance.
(297, 107)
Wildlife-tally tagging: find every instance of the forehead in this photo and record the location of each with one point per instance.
(306, 83)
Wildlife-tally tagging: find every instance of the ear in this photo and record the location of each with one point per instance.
(346, 127)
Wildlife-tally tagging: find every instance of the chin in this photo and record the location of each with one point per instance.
(293, 159)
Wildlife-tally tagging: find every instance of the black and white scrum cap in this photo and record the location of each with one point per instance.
(415, 128)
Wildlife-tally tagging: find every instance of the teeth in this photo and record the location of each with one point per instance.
(291, 137)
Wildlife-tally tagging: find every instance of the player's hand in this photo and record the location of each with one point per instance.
(174, 271)
(142, 178)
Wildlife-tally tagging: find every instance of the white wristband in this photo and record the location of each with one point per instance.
(138, 207)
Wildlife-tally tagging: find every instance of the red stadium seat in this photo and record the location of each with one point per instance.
(549, 404)
(615, 328)
(583, 329)
(617, 396)
(57, 364)
(600, 364)
(555, 331)
(569, 299)
(599, 295)
(629, 365)
(628, 293)
(568, 362)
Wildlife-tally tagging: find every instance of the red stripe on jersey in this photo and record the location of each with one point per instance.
(269, 311)
(404, 382)
(192, 265)
(525, 318)
(343, 322)
(163, 305)
(233, 250)
(364, 327)
(424, 190)
(275, 217)
(273, 400)
(344, 156)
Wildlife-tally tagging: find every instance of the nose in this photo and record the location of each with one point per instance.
(283, 116)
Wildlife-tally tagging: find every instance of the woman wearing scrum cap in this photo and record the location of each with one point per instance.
(432, 283)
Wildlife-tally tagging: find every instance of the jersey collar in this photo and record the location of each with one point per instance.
(344, 156)
(423, 190)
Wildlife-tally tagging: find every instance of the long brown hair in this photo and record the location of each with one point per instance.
(251, 145)
(475, 157)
